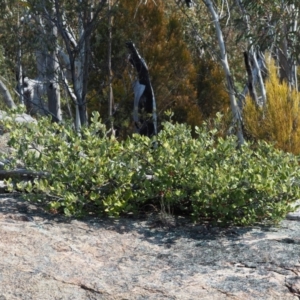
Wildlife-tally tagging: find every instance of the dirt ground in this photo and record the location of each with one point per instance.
(45, 256)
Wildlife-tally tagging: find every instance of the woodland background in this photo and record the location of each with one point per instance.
(68, 58)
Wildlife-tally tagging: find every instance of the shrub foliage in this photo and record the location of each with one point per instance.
(206, 177)
(277, 122)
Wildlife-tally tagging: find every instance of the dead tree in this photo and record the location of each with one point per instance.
(251, 83)
(144, 113)
(257, 73)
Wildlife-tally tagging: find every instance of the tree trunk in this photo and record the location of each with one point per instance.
(20, 87)
(144, 101)
(4, 92)
(287, 59)
(254, 69)
(251, 83)
(237, 119)
(110, 94)
(53, 90)
(78, 51)
(259, 69)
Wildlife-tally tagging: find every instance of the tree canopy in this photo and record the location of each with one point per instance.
(69, 58)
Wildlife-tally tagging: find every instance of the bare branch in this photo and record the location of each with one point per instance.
(5, 174)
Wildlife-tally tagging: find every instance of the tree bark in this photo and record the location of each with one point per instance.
(110, 94)
(4, 92)
(237, 118)
(53, 90)
(257, 73)
(20, 87)
(260, 75)
(287, 61)
(79, 51)
(251, 83)
(144, 101)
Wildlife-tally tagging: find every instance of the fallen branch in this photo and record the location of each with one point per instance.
(6, 174)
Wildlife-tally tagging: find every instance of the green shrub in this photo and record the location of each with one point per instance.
(209, 178)
(206, 177)
(84, 169)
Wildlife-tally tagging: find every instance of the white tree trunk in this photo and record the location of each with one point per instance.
(223, 57)
(263, 99)
(53, 90)
(78, 50)
(4, 92)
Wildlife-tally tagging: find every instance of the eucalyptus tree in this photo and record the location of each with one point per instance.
(70, 24)
(215, 15)
(10, 44)
(256, 28)
(218, 19)
(29, 52)
(273, 27)
(253, 58)
(56, 35)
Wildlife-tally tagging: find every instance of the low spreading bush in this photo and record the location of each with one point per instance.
(207, 177)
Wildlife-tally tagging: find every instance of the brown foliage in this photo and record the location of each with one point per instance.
(158, 34)
(212, 96)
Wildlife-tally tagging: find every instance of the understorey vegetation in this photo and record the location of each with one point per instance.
(65, 63)
(205, 176)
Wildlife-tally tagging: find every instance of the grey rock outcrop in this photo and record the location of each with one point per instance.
(51, 257)
(20, 118)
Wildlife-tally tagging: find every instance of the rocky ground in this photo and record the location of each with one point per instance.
(47, 256)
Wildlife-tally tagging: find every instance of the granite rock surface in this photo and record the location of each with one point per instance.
(47, 256)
